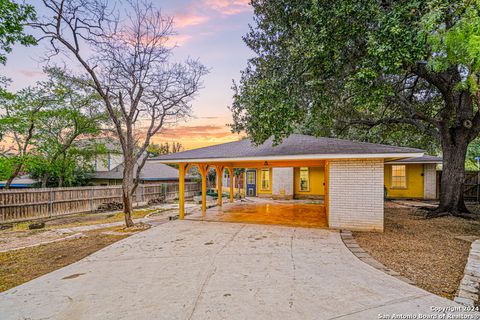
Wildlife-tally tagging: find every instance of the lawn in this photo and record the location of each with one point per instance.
(425, 251)
(19, 266)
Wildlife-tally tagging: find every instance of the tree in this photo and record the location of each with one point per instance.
(13, 17)
(127, 58)
(46, 122)
(345, 67)
(76, 114)
(154, 150)
(22, 115)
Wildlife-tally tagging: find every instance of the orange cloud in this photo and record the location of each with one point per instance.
(197, 136)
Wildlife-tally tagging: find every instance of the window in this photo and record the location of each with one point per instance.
(304, 179)
(250, 177)
(265, 178)
(399, 178)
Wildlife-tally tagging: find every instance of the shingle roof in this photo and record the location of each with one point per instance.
(22, 181)
(296, 144)
(151, 171)
(424, 159)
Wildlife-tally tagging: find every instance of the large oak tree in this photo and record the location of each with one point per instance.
(346, 66)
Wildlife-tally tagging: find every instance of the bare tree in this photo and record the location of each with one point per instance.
(126, 54)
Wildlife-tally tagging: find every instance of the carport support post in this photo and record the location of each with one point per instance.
(181, 190)
(203, 171)
(230, 173)
(219, 184)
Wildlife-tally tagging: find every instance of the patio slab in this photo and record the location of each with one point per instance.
(297, 214)
(210, 270)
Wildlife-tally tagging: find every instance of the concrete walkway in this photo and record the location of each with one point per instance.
(211, 270)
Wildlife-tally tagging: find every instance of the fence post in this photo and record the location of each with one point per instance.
(51, 203)
(91, 199)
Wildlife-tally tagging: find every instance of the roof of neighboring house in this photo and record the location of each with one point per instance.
(151, 171)
(20, 182)
(419, 160)
(296, 146)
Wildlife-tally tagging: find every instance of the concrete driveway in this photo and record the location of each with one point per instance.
(212, 270)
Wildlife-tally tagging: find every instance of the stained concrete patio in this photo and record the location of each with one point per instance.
(286, 213)
(211, 270)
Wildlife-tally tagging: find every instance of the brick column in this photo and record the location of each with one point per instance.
(356, 194)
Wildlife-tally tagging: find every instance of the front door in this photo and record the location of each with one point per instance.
(251, 183)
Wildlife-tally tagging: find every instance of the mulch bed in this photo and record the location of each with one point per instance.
(422, 250)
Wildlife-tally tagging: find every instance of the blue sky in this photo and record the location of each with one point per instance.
(210, 30)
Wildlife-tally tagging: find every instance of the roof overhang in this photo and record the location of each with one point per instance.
(413, 162)
(393, 156)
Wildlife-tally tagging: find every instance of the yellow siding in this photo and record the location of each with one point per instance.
(414, 180)
(259, 182)
(317, 179)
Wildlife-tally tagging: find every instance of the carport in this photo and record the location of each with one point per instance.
(352, 179)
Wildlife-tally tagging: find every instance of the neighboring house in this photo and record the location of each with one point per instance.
(414, 178)
(349, 175)
(23, 181)
(109, 160)
(152, 172)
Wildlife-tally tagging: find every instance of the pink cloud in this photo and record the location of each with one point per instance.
(177, 40)
(183, 20)
(31, 73)
(228, 7)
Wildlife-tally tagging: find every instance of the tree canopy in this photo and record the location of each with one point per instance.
(331, 67)
(13, 17)
(384, 71)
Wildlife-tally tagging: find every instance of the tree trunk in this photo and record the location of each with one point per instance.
(453, 178)
(127, 191)
(13, 176)
(44, 180)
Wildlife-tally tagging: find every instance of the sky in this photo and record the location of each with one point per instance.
(210, 30)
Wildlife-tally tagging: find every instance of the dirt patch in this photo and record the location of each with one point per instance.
(425, 251)
(95, 218)
(17, 267)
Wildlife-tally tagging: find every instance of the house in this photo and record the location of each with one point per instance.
(111, 158)
(412, 178)
(152, 172)
(23, 181)
(348, 175)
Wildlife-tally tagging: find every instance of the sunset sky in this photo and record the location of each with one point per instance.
(210, 30)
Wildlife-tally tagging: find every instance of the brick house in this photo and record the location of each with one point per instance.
(349, 176)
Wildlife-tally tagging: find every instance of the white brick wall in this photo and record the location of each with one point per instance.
(282, 183)
(356, 194)
(430, 181)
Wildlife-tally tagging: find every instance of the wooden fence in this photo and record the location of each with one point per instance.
(28, 204)
(471, 189)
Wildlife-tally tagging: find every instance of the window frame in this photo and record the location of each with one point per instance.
(250, 174)
(395, 176)
(307, 169)
(267, 170)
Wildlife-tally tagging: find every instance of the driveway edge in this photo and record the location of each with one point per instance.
(363, 256)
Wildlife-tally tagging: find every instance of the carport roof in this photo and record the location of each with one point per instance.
(295, 147)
